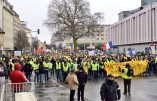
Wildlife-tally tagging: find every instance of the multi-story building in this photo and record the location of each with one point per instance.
(146, 2)
(27, 31)
(137, 31)
(17, 24)
(99, 36)
(7, 24)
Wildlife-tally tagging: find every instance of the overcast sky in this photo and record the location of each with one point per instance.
(35, 12)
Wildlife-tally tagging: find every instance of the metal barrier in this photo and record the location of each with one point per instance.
(9, 90)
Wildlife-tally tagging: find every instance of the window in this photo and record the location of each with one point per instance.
(97, 38)
(102, 38)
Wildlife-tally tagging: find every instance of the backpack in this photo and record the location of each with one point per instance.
(130, 72)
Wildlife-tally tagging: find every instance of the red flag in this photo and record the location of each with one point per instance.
(103, 47)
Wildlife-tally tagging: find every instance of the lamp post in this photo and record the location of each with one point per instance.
(1, 39)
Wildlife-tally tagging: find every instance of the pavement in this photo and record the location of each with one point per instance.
(52, 91)
(143, 89)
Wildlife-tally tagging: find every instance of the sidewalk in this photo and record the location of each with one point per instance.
(52, 91)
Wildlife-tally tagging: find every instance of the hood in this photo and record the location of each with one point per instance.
(17, 66)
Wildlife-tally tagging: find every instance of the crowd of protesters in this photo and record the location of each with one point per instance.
(63, 67)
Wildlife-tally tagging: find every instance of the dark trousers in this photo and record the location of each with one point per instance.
(65, 74)
(72, 94)
(95, 74)
(46, 75)
(154, 69)
(59, 75)
(81, 92)
(28, 76)
(127, 85)
(36, 77)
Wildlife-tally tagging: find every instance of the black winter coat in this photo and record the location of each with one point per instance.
(109, 91)
(41, 69)
(82, 77)
(27, 69)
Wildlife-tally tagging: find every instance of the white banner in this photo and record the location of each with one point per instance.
(17, 53)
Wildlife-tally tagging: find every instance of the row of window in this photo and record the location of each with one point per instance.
(136, 29)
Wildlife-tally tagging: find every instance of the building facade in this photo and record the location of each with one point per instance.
(7, 25)
(27, 31)
(17, 24)
(99, 37)
(136, 31)
(147, 2)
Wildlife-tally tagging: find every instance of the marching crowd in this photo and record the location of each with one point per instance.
(74, 69)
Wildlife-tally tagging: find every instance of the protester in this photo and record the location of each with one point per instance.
(41, 73)
(16, 76)
(28, 70)
(127, 76)
(110, 90)
(58, 71)
(82, 79)
(73, 84)
(47, 67)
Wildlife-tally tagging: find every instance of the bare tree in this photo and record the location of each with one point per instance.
(72, 17)
(21, 42)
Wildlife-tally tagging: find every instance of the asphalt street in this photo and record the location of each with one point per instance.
(143, 89)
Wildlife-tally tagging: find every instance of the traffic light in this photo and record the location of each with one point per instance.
(38, 31)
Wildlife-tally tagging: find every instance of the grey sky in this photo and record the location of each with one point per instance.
(35, 11)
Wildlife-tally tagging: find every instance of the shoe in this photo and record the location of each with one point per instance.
(124, 93)
(129, 94)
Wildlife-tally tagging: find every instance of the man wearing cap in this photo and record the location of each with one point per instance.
(110, 90)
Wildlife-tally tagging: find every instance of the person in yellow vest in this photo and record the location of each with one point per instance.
(85, 67)
(65, 70)
(95, 70)
(101, 70)
(36, 71)
(11, 65)
(75, 66)
(127, 77)
(50, 69)
(46, 66)
(58, 70)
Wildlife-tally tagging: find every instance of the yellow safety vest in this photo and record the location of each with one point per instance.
(75, 66)
(65, 68)
(124, 75)
(35, 66)
(12, 65)
(50, 65)
(46, 65)
(94, 67)
(58, 66)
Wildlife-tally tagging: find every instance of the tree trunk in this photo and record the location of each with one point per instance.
(75, 45)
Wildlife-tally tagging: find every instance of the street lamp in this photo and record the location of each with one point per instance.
(1, 39)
